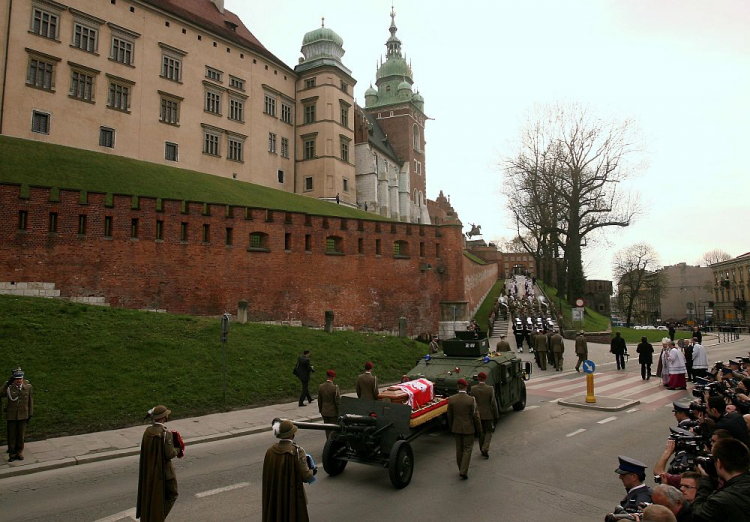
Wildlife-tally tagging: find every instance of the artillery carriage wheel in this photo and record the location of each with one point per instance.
(401, 464)
(331, 464)
(521, 404)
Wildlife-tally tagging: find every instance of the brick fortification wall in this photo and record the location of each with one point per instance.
(289, 277)
(478, 282)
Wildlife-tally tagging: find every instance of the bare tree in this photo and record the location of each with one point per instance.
(563, 184)
(639, 285)
(716, 255)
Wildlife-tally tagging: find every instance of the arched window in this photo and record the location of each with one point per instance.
(400, 249)
(334, 245)
(258, 242)
(416, 137)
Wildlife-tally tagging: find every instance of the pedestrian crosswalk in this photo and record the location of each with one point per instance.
(614, 383)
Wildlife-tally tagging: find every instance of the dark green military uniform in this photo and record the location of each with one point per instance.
(19, 410)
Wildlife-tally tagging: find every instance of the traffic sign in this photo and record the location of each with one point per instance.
(580, 302)
(588, 366)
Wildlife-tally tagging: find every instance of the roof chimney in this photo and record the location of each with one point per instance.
(219, 5)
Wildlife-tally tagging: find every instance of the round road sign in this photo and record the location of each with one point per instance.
(580, 302)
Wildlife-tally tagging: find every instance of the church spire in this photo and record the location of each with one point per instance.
(393, 44)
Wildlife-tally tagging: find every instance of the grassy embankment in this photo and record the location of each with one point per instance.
(97, 368)
(592, 320)
(68, 168)
(489, 301)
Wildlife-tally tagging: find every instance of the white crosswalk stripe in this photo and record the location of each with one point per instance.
(128, 514)
(221, 490)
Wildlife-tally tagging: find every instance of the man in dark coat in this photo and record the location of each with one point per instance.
(19, 410)
(582, 349)
(671, 330)
(633, 475)
(464, 421)
(488, 411)
(618, 347)
(367, 384)
(557, 347)
(285, 470)
(540, 349)
(731, 501)
(645, 357)
(157, 482)
(304, 369)
(329, 398)
(687, 349)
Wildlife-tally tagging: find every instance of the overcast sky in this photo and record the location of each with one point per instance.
(679, 68)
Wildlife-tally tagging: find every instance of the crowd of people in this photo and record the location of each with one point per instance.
(704, 473)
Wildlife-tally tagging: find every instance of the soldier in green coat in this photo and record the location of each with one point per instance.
(19, 410)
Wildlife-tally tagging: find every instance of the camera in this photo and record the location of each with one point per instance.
(697, 406)
(708, 465)
(621, 513)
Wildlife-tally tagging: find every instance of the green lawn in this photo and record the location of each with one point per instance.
(654, 336)
(592, 320)
(96, 368)
(69, 168)
(489, 301)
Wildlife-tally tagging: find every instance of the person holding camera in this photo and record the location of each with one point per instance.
(672, 499)
(734, 423)
(725, 496)
(18, 411)
(286, 469)
(303, 371)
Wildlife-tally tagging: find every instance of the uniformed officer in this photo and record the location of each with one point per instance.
(633, 475)
(367, 384)
(502, 345)
(488, 411)
(557, 346)
(541, 349)
(681, 412)
(329, 398)
(19, 410)
(582, 349)
(464, 421)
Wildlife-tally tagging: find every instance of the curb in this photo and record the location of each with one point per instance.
(579, 401)
(28, 469)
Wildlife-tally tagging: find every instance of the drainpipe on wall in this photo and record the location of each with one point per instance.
(5, 64)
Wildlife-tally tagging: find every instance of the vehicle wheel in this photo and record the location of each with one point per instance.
(332, 465)
(401, 464)
(521, 404)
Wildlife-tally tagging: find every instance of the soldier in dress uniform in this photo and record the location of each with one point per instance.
(633, 475)
(367, 384)
(19, 410)
(582, 349)
(488, 411)
(329, 398)
(558, 347)
(541, 349)
(502, 345)
(681, 412)
(464, 421)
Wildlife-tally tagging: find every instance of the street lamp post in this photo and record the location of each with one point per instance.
(695, 304)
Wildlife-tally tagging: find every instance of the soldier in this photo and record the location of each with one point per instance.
(19, 410)
(488, 411)
(329, 398)
(633, 474)
(582, 349)
(157, 482)
(434, 345)
(682, 414)
(558, 348)
(285, 470)
(541, 349)
(367, 384)
(463, 418)
(502, 345)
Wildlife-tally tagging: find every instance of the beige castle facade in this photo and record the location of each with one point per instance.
(181, 83)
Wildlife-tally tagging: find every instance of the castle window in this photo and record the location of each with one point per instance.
(288, 242)
(206, 233)
(82, 225)
(310, 113)
(309, 149)
(284, 147)
(84, 37)
(377, 247)
(23, 220)
(334, 245)
(122, 50)
(235, 149)
(106, 137)
(310, 83)
(308, 242)
(345, 150)
(171, 68)
(237, 83)
(183, 231)
(270, 106)
(170, 151)
(213, 102)
(344, 86)
(421, 249)
(159, 230)
(170, 110)
(82, 85)
(416, 140)
(272, 142)
(40, 122)
(211, 143)
(236, 109)
(41, 72)
(213, 74)
(360, 246)
(437, 253)
(134, 228)
(345, 184)
(258, 242)
(119, 93)
(45, 24)
(344, 113)
(228, 236)
(52, 222)
(308, 183)
(286, 113)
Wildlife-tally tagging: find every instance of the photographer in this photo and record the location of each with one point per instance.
(671, 498)
(734, 423)
(729, 502)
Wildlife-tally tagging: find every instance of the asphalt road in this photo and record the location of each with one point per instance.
(547, 463)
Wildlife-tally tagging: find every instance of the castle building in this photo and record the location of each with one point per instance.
(390, 141)
(182, 83)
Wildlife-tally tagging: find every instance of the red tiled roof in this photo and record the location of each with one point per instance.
(204, 13)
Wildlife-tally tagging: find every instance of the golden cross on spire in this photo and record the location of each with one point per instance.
(322, 21)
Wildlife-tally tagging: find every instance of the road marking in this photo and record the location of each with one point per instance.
(631, 410)
(662, 394)
(532, 407)
(608, 419)
(128, 513)
(576, 432)
(221, 490)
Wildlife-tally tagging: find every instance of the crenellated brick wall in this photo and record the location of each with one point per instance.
(478, 281)
(281, 279)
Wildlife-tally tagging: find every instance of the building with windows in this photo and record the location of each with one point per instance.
(731, 288)
(390, 141)
(179, 82)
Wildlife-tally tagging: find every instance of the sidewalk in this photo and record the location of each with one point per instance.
(105, 445)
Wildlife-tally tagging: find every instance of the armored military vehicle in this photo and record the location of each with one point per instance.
(464, 357)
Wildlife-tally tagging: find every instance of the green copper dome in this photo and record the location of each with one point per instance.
(404, 85)
(325, 34)
(371, 91)
(395, 66)
(417, 97)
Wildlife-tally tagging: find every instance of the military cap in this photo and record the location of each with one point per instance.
(18, 373)
(462, 382)
(482, 376)
(159, 412)
(681, 407)
(732, 361)
(330, 373)
(727, 370)
(368, 365)
(746, 360)
(628, 465)
(284, 429)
